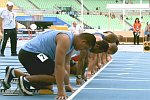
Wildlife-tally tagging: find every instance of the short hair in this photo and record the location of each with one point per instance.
(108, 32)
(74, 22)
(103, 45)
(90, 38)
(113, 48)
(111, 37)
(100, 46)
(117, 42)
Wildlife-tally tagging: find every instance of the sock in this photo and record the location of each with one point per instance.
(13, 73)
(26, 79)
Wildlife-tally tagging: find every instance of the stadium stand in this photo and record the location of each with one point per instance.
(95, 12)
(23, 4)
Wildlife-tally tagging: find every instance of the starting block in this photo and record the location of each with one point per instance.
(17, 92)
(146, 46)
(15, 80)
(45, 91)
(10, 92)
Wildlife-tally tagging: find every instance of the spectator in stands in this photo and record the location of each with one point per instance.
(88, 13)
(113, 16)
(8, 27)
(100, 13)
(116, 1)
(147, 31)
(75, 28)
(121, 16)
(46, 56)
(57, 12)
(136, 30)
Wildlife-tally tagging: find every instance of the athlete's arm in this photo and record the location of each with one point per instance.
(63, 44)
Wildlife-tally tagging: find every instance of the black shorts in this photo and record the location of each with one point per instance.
(34, 65)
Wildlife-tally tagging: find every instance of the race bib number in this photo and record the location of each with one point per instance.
(42, 57)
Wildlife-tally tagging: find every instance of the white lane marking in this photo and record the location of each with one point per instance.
(87, 82)
(130, 64)
(128, 68)
(123, 73)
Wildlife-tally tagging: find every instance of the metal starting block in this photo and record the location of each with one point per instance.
(45, 91)
(17, 92)
(10, 92)
(14, 80)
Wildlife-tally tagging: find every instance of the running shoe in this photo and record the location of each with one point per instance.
(8, 77)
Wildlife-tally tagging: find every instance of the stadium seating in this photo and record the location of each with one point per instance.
(93, 20)
(48, 5)
(101, 21)
(92, 4)
(63, 17)
(23, 4)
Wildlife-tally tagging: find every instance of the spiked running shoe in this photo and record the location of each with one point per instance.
(24, 86)
(8, 78)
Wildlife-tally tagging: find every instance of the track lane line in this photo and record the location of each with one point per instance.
(88, 81)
